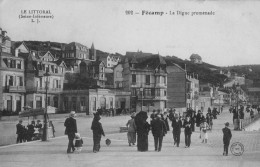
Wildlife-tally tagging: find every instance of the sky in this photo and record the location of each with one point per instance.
(229, 37)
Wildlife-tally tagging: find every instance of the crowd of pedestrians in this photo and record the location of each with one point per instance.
(28, 133)
(139, 128)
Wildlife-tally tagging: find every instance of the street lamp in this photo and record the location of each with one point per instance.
(45, 127)
(141, 90)
(219, 103)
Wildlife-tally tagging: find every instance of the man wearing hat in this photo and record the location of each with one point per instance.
(159, 130)
(176, 126)
(97, 130)
(71, 129)
(227, 135)
(19, 132)
(187, 131)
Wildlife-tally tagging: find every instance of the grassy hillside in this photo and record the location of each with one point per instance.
(207, 73)
(251, 72)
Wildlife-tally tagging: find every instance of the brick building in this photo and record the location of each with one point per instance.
(176, 87)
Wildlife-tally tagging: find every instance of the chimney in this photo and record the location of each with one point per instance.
(16, 52)
(4, 33)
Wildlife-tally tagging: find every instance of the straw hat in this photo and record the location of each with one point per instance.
(72, 114)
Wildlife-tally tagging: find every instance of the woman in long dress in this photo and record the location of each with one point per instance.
(142, 129)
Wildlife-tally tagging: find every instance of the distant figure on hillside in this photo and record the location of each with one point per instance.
(227, 135)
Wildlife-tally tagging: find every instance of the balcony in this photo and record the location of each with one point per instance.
(14, 89)
(43, 90)
(100, 78)
(40, 73)
(54, 90)
(36, 90)
(139, 97)
(160, 85)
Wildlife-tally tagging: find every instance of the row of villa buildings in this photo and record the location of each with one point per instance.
(82, 79)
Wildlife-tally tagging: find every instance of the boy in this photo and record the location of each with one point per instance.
(226, 138)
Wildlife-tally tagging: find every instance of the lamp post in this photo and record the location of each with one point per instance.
(45, 127)
(219, 103)
(141, 90)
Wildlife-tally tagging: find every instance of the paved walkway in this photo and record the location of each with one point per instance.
(53, 152)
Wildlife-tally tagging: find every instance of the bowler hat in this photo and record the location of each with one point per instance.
(227, 124)
(72, 113)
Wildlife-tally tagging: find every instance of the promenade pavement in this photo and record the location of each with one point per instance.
(53, 152)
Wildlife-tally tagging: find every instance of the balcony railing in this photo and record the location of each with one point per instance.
(16, 89)
(139, 97)
(100, 78)
(43, 89)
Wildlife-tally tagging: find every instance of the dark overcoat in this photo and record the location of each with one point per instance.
(71, 126)
(227, 135)
(158, 128)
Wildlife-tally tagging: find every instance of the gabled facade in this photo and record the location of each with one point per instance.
(74, 53)
(192, 90)
(118, 76)
(12, 80)
(95, 71)
(147, 81)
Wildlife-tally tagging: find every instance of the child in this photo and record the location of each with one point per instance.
(204, 127)
(226, 138)
(52, 126)
(78, 143)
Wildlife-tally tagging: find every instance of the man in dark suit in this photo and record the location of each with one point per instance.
(19, 132)
(71, 129)
(226, 138)
(97, 130)
(187, 131)
(176, 126)
(159, 130)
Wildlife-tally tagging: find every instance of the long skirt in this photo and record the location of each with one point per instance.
(131, 137)
(204, 135)
(142, 142)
